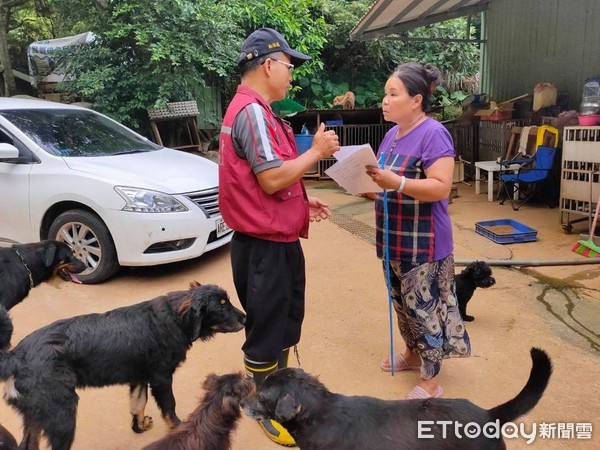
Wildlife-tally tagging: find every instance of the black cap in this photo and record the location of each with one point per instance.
(264, 41)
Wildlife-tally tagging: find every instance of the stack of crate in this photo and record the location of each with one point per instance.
(580, 175)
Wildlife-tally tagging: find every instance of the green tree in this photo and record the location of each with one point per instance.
(299, 21)
(363, 66)
(7, 10)
(347, 65)
(148, 53)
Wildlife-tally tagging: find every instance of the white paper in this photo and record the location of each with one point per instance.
(350, 169)
(347, 150)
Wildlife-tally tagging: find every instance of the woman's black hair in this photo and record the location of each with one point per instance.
(418, 79)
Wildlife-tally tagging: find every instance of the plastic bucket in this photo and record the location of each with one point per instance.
(303, 142)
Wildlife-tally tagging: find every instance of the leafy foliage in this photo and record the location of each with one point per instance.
(363, 67)
(457, 61)
(298, 20)
(148, 53)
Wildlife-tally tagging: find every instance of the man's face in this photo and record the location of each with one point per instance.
(280, 69)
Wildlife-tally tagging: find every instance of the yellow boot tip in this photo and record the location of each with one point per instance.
(277, 433)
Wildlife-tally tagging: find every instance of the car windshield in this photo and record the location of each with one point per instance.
(70, 132)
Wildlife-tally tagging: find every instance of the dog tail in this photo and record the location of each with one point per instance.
(6, 330)
(531, 393)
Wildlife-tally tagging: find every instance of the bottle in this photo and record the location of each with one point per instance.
(590, 102)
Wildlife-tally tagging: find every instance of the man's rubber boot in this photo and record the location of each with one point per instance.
(282, 362)
(274, 431)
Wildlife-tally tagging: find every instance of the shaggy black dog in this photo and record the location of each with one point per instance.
(209, 427)
(478, 274)
(24, 266)
(322, 420)
(138, 345)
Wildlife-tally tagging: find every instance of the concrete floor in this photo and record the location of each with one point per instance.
(346, 330)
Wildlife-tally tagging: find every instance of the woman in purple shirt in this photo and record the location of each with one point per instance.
(416, 169)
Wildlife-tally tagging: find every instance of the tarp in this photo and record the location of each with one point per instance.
(286, 107)
(46, 64)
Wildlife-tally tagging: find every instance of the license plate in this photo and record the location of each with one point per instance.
(222, 227)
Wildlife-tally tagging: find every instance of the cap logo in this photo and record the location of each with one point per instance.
(254, 54)
(274, 45)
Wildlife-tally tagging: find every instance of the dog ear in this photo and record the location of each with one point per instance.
(198, 308)
(210, 382)
(287, 408)
(47, 255)
(196, 328)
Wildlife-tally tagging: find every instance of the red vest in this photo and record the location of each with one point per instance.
(245, 206)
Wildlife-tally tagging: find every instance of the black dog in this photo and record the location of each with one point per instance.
(478, 274)
(322, 420)
(137, 345)
(210, 425)
(24, 266)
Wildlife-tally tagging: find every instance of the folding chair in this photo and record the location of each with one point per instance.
(533, 171)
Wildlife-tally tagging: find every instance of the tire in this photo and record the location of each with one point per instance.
(89, 238)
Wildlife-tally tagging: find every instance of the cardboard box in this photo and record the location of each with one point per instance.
(496, 111)
(499, 111)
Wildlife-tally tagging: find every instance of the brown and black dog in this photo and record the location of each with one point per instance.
(139, 345)
(322, 420)
(210, 425)
(24, 266)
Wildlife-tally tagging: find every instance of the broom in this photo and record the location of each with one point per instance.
(587, 247)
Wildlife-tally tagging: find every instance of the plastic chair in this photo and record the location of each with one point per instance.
(533, 171)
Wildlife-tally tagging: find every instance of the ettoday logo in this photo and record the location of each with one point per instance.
(509, 430)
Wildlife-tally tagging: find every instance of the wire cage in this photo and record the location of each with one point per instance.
(464, 136)
(359, 134)
(494, 137)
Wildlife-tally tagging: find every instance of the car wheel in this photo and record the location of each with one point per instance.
(89, 238)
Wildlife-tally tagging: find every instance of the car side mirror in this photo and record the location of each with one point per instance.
(8, 151)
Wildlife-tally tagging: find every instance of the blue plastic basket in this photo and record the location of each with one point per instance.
(520, 233)
(303, 142)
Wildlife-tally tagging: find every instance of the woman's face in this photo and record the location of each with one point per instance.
(397, 105)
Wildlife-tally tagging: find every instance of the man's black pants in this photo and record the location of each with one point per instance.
(270, 281)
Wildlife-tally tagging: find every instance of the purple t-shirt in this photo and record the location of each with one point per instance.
(419, 231)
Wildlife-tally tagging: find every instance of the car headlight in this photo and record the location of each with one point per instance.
(148, 201)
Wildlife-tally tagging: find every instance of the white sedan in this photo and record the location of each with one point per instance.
(72, 174)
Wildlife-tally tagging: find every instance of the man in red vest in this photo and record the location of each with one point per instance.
(262, 197)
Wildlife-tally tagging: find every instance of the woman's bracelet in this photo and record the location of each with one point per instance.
(402, 183)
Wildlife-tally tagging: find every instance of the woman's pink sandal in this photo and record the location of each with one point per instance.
(399, 364)
(419, 393)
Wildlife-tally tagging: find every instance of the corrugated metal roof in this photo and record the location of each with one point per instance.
(395, 16)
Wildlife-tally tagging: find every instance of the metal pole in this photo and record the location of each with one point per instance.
(531, 262)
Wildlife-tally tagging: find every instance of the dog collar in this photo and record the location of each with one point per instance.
(26, 268)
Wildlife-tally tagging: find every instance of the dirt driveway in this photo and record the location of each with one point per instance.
(346, 330)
